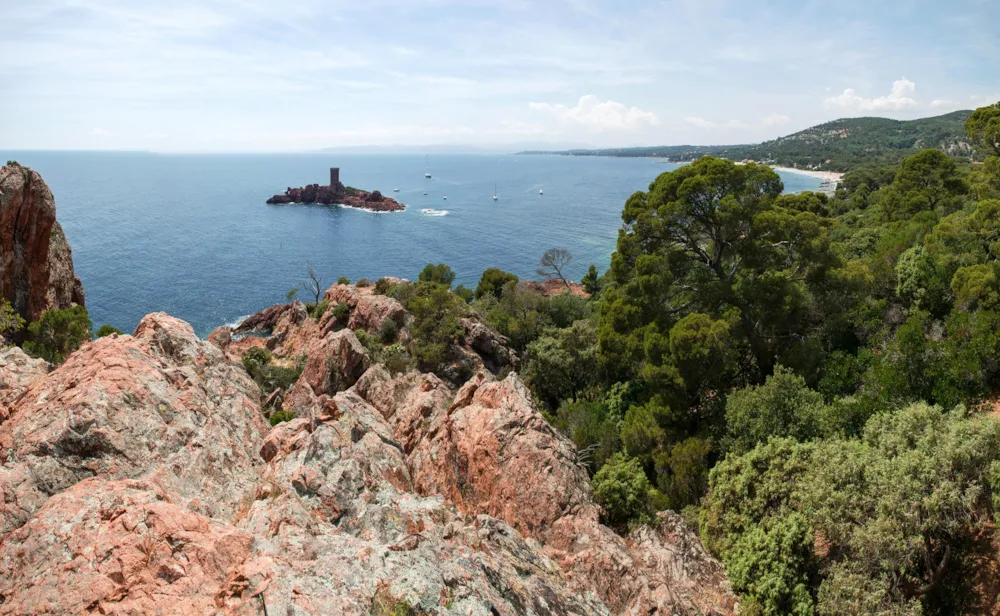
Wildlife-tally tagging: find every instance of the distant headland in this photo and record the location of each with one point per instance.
(338, 194)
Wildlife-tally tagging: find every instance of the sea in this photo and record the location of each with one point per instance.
(190, 234)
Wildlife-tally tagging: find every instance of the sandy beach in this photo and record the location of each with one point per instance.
(828, 176)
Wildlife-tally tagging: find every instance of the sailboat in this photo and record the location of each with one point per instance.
(428, 174)
(494, 191)
(540, 191)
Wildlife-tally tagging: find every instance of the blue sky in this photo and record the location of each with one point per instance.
(256, 75)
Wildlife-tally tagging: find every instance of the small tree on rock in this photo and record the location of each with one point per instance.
(313, 285)
(553, 264)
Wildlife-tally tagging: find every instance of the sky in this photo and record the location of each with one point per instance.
(299, 75)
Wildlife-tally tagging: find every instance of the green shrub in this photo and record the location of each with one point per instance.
(564, 309)
(256, 358)
(341, 312)
(590, 280)
(622, 490)
(437, 274)
(381, 286)
(388, 332)
(318, 310)
(10, 321)
(373, 346)
(641, 431)
(771, 565)
(269, 373)
(782, 406)
(343, 280)
(562, 363)
(396, 359)
(435, 324)
(281, 416)
(290, 296)
(465, 293)
(58, 333)
(402, 292)
(13, 163)
(364, 282)
(108, 330)
(493, 282)
(590, 427)
(682, 471)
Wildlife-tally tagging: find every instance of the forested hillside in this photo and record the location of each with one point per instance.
(837, 146)
(812, 381)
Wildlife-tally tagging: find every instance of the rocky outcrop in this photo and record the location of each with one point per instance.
(337, 195)
(36, 263)
(139, 477)
(17, 371)
(554, 286)
(368, 310)
(456, 442)
(119, 547)
(161, 404)
(491, 347)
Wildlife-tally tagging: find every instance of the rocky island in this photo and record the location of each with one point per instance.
(337, 194)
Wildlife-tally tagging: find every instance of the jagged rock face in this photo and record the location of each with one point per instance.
(36, 263)
(118, 547)
(161, 402)
(488, 450)
(139, 477)
(337, 496)
(17, 371)
(368, 311)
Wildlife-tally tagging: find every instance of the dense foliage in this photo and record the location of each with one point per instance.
(809, 377)
(57, 333)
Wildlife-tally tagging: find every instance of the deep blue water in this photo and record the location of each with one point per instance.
(190, 235)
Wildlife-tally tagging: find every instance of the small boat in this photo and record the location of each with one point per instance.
(395, 190)
(494, 191)
(540, 191)
(425, 193)
(445, 197)
(427, 175)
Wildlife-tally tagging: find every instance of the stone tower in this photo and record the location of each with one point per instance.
(334, 176)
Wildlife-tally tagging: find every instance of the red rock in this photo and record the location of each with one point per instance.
(160, 403)
(457, 448)
(221, 337)
(368, 310)
(17, 371)
(36, 262)
(554, 286)
(139, 477)
(118, 547)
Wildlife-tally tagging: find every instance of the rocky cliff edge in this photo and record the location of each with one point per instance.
(142, 477)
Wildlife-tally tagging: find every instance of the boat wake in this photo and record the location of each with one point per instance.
(432, 212)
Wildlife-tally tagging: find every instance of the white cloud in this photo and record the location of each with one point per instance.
(900, 97)
(774, 119)
(980, 100)
(597, 115)
(945, 104)
(700, 122)
(99, 132)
